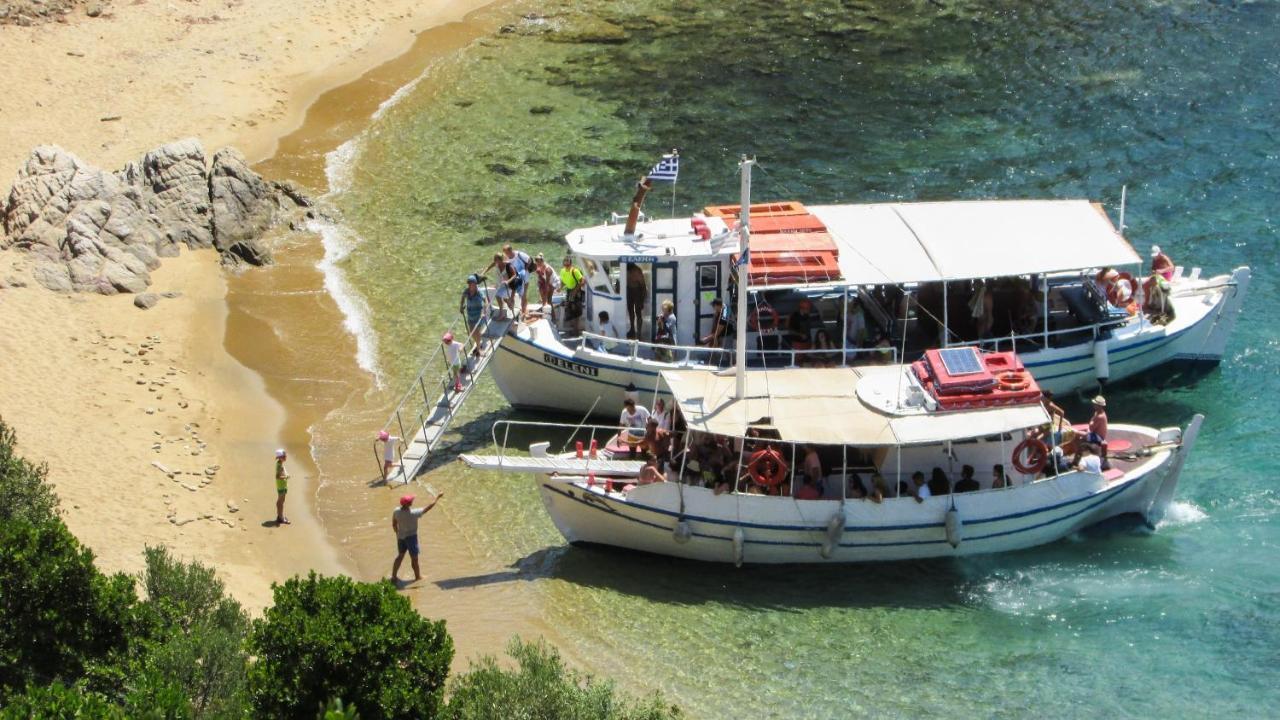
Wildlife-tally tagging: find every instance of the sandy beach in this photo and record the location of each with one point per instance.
(153, 431)
(230, 72)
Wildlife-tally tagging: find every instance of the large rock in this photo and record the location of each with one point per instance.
(178, 192)
(99, 231)
(244, 206)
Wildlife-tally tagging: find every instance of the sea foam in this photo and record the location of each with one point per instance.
(339, 240)
(1181, 513)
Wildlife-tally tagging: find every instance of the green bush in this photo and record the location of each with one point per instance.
(59, 702)
(24, 494)
(333, 637)
(542, 688)
(58, 614)
(190, 642)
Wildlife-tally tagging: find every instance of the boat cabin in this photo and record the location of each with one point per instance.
(830, 283)
(872, 427)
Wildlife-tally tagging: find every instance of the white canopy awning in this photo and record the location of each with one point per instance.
(822, 406)
(960, 240)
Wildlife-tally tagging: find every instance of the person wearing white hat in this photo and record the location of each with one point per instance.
(1160, 263)
(1098, 423)
(282, 486)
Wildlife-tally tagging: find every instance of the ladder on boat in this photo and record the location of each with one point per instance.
(422, 416)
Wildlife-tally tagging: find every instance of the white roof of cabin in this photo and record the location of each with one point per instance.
(959, 240)
(827, 406)
(669, 239)
(895, 243)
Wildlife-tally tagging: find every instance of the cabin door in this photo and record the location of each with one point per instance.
(708, 290)
(663, 288)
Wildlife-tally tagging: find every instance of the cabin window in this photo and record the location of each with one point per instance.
(603, 275)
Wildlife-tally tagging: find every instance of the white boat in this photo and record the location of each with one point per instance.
(909, 272)
(864, 421)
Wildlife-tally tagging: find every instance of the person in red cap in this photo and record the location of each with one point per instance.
(404, 520)
(454, 356)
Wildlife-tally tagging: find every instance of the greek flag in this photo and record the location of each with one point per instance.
(745, 259)
(667, 168)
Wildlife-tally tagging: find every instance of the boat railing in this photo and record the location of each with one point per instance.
(721, 357)
(1041, 337)
(597, 434)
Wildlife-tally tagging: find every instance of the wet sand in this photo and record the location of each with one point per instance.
(284, 325)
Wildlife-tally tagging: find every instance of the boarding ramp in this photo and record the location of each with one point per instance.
(592, 451)
(426, 410)
(555, 465)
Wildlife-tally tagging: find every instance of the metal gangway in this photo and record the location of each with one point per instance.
(427, 408)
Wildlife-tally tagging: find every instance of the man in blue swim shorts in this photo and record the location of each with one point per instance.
(404, 520)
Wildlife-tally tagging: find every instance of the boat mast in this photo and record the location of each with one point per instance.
(744, 240)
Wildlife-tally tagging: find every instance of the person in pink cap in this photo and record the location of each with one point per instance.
(388, 452)
(404, 520)
(454, 356)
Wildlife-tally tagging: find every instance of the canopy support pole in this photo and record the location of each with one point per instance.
(946, 318)
(744, 241)
(1044, 296)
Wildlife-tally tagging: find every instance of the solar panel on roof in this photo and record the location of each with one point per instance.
(961, 361)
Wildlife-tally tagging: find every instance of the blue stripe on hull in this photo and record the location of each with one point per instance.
(1089, 503)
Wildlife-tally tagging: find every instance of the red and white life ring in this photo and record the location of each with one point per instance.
(1036, 456)
(756, 471)
(766, 310)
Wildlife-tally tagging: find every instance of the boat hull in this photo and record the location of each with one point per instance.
(777, 531)
(533, 369)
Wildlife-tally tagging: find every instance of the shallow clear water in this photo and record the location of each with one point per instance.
(531, 131)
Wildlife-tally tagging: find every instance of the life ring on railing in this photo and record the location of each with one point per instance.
(1013, 380)
(756, 470)
(1115, 297)
(1037, 456)
(754, 320)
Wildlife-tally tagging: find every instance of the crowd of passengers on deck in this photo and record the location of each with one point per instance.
(824, 331)
(761, 464)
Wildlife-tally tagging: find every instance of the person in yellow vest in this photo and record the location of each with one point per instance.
(575, 294)
(282, 486)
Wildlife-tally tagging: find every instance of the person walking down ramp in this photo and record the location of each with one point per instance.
(455, 356)
(282, 486)
(404, 520)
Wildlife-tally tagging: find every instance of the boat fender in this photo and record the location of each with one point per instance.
(739, 539)
(1101, 364)
(835, 530)
(955, 528)
(682, 532)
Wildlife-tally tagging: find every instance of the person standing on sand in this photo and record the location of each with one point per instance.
(404, 520)
(282, 486)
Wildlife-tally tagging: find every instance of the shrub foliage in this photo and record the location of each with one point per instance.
(331, 637)
(542, 688)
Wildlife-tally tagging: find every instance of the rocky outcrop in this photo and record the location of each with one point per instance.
(244, 206)
(93, 230)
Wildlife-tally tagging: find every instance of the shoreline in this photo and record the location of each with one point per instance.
(152, 432)
(124, 502)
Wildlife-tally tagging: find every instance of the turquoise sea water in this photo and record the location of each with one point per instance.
(545, 126)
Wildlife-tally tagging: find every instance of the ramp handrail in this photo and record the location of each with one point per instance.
(417, 392)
